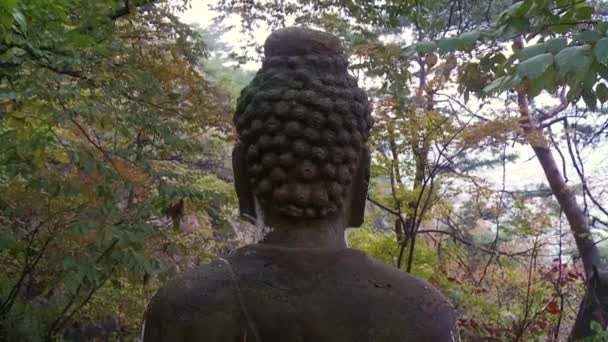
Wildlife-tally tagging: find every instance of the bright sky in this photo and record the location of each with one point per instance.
(520, 174)
(200, 14)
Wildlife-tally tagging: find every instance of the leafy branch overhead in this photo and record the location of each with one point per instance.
(567, 48)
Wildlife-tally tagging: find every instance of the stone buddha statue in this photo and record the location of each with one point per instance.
(301, 171)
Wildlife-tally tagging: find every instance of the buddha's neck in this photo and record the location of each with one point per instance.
(306, 234)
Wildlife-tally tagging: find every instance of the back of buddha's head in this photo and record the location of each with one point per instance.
(302, 124)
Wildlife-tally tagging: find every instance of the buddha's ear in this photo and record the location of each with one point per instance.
(358, 195)
(242, 184)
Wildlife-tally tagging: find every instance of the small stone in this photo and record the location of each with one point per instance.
(329, 171)
(293, 128)
(301, 194)
(310, 213)
(334, 120)
(316, 120)
(292, 210)
(273, 124)
(290, 95)
(255, 169)
(337, 155)
(344, 174)
(294, 61)
(253, 152)
(278, 175)
(351, 155)
(319, 153)
(341, 106)
(241, 123)
(264, 141)
(246, 136)
(320, 197)
(257, 125)
(343, 137)
(307, 170)
(282, 108)
(357, 109)
(280, 142)
(350, 122)
(286, 160)
(325, 104)
(274, 94)
(328, 137)
(263, 109)
(335, 191)
(307, 97)
(302, 74)
(332, 209)
(299, 112)
(311, 134)
(301, 148)
(269, 160)
(264, 186)
(281, 194)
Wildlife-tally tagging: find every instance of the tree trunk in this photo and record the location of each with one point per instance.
(591, 308)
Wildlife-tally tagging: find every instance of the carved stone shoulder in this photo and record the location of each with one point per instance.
(198, 305)
(432, 309)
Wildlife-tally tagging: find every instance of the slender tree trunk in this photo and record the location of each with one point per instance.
(420, 152)
(590, 308)
(579, 223)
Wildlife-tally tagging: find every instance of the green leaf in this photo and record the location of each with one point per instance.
(408, 51)
(518, 9)
(556, 45)
(495, 85)
(590, 99)
(584, 12)
(601, 91)
(582, 74)
(531, 51)
(7, 241)
(470, 38)
(573, 58)
(573, 94)
(545, 81)
(600, 51)
(447, 45)
(8, 5)
(590, 79)
(6, 8)
(587, 36)
(425, 47)
(69, 263)
(514, 27)
(602, 27)
(19, 22)
(602, 70)
(535, 66)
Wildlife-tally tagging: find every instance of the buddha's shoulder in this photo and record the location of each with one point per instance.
(386, 290)
(196, 289)
(198, 303)
(405, 285)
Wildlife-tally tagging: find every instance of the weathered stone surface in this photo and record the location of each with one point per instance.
(301, 171)
(300, 295)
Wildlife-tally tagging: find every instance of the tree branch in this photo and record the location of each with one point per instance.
(563, 104)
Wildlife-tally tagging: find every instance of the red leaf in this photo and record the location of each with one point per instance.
(553, 308)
